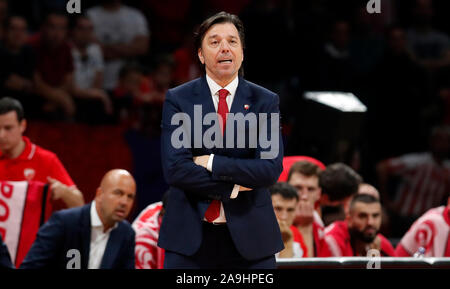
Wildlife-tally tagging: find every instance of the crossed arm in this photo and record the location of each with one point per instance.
(184, 171)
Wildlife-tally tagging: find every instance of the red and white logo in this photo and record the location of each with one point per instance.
(29, 174)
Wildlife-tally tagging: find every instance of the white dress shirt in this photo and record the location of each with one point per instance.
(214, 88)
(99, 239)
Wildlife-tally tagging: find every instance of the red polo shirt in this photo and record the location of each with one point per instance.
(35, 163)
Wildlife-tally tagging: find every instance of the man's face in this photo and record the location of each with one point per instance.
(116, 199)
(16, 34)
(11, 131)
(83, 34)
(307, 187)
(56, 29)
(222, 52)
(365, 220)
(284, 208)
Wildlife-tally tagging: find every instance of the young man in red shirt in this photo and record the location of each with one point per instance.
(284, 201)
(304, 177)
(359, 232)
(21, 160)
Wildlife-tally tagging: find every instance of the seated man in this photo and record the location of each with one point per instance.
(98, 231)
(146, 226)
(429, 235)
(22, 160)
(284, 201)
(18, 64)
(304, 177)
(5, 259)
(359, 232)
(54, 67)
(339, 183)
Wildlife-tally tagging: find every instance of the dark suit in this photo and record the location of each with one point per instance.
(71, 229)
(250, 217)
(5, 259)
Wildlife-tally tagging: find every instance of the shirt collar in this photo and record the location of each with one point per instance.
(27, 153)
(214, 87)
(95, 219)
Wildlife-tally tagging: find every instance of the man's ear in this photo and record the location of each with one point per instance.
(200, 56)
(23, 125)
(98, 192)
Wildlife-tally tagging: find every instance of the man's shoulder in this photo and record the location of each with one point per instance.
(432, 216)
(70, 217)
(72, 212)
(42, 153)
(126, 227)
(337, 229)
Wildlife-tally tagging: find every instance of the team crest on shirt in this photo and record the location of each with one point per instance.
(29, 174)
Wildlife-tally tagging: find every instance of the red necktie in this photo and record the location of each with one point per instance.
(213, 211)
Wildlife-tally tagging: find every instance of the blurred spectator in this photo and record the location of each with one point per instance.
(413, 183)
(366, 45)
(186, 62)
(339, 183)
(284, 201)
(97, 230)
(88, 74)
(18, 64)
(22, 160)
(123, 34)
(429, 234)
(430, 47)
(259, 18)
(146, 225)
(149, 105)
(304, 177)
(359, 232)
(399, 83)
(54, 76)
(160, 80)
(5, 259)
(169, 21)
(335, 71)
(131, 89)
(3, 16)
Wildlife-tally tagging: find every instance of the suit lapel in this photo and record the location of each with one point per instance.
(112, 248)
(242, 98)
(203, 97)
(85, 235)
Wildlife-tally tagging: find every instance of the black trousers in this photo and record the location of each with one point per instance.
(217, 251)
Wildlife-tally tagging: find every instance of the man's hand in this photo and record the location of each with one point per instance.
(71, 196)
(376, 244)
(286, 233)
(202, 160)
(305, 213)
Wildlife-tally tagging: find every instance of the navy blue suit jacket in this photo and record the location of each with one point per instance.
(5, 259)
(71, 229)
(250, 217)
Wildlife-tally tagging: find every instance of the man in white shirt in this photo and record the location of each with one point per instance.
(123, 34)
(92, 100)
(95, 236)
